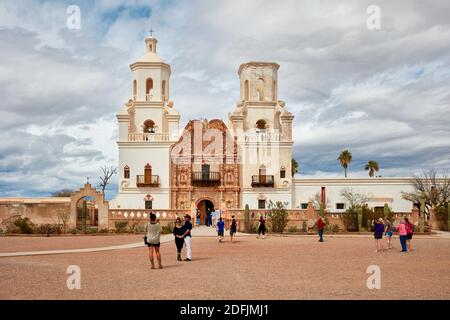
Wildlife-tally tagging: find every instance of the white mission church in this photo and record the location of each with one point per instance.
(221, 165)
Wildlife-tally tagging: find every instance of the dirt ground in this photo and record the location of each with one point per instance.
(274, 268)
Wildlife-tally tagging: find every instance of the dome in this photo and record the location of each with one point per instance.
(150, 57)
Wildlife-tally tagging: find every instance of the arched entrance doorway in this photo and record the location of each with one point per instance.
(87, 213)
(205, 207)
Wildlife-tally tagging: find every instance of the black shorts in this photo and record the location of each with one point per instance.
(409, 236)
(156, 245)
(232, 231)
(220, 233)
(378, 236)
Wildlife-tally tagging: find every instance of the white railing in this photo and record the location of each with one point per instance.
(261, 137)
(148, 97)
(148, 137)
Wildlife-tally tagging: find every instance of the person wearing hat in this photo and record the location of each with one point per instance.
(187, 237)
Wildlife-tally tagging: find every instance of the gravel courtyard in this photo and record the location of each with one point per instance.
(293, 267)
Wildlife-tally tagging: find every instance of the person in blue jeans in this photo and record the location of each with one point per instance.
(320, 227)
(220, 229)
(402, 234)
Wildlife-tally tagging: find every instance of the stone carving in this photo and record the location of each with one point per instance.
(131, 112)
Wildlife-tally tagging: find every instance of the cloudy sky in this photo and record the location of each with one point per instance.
(383, 94)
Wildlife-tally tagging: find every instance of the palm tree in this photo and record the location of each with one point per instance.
(372, 166)
(345, 158)
(294, 167)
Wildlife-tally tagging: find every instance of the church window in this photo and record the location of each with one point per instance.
(282, 172)
(126, 172)
(262, 171)
(149, 126)
(304, 206)
(246, 90)
(134, 89)
(274, 90)
(163, 89)
(148, 89)
(261, 124)
(260, 90)
(148, 204)
(261, 204)
(340, 206)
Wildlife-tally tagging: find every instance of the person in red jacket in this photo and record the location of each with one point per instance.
(320, 228)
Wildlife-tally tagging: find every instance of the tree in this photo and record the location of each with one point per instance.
(63, 216)
(354, 199)
(436, 191)
(317, 201)
(62, 193)
(344, 159)
(294, 167)
(372, 167)
(107, 174)
(278, 215)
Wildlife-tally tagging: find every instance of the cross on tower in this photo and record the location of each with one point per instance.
(151, 32)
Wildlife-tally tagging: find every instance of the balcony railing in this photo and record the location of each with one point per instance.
(205, 178)
(147, 181)
(148, 97)
(263, 181)
(148, 137)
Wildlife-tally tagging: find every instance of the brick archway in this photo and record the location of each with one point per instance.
(103, 206)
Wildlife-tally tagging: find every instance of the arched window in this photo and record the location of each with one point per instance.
(149, 126)
(134, 89)
(149, 89)
(261, 124)
(282, 172)
(163, 90)
(260, 90)
(126, 172)
(246, 90)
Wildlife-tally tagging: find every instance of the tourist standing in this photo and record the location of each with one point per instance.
(409, 233)
(220, 229)
(187, 237)
(198, 217)
(178, 232)
(401, 227)
(233, 228)
(378, 234)
(320, 228)
(153, 233)
(262, 227)
(213, 219)
(389, 231)
(208, 217)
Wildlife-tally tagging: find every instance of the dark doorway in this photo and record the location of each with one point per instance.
(205, 206)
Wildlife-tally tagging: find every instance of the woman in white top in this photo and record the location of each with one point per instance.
(153, 233)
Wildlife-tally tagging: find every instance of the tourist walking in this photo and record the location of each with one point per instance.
(389, 231)
(320, 228)
(178, 232)
(187, 237)
(378, 234)
(262, 227)
(233, 228)
(401, 227)
(220, 229)
(409, 233)
(153, 234)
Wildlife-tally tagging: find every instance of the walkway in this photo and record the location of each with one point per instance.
(201, 231)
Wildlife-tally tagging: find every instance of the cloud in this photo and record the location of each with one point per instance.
(383, 94)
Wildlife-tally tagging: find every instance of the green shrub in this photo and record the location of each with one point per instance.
(47, 229)
(278, 215)
(74, 231)
(293, 229)
(121, 226)
(91, 230)
(24, 225)
(335, 228)
(140, 228)
(103, 230)
(305, 226)
(247, 218)
(168, 229)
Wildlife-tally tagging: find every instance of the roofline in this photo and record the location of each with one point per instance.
(258, 64)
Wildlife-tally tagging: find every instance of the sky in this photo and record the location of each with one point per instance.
(384, 93)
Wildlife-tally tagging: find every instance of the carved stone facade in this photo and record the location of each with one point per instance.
(204, 166)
